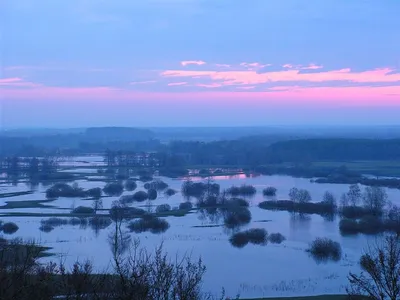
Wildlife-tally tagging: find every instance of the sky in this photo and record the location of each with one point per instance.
(76, 63)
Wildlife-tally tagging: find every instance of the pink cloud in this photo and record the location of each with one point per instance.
(142, 82)
(312, 67)
(223, 65)
(176, 83)
(252, 77)
(192, 62)
(17, 82)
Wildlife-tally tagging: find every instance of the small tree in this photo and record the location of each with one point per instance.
(329, 199)
(375, 199)
(97, 204)
(299, 196)
(354, 195)
(381, 265)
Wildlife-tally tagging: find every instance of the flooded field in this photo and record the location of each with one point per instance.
(251, 271)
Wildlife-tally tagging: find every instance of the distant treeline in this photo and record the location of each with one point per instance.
(249, 152)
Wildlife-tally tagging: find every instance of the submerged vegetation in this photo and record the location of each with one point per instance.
(149, 223)
(254, 236)
(324, 249)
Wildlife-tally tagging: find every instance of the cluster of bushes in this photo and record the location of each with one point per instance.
(373, 199)
(236, 216)
(84, 210)
(270, 191)
(199, 189)
(276, 238)
(152, 194)
(72, 191)
(130, 185)
(169, 192)
(243, 190)
(65, 190)
(114, 189)
(254, 236)
(146, 178)
(48, 225)
(369, 225)
(324, 249)
(100, 222)
(186, 205)
(163, 208)
(321, 208)
(221, 201)
(157, 185)
(149, 223)
(139, 196)
(119, 211)
(8, 228)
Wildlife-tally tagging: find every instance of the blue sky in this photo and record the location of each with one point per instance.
(171, 62)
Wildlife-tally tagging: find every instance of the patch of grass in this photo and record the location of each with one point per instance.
(26, 204)
(15, 194)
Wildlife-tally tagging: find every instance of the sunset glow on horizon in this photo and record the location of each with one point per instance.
(324, 58)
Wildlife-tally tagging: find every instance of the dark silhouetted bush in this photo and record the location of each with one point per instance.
(157, 185)
(235, 217)
(120, 212)
(163, 208)
(9, 228)
(149, 223)
(323, 249)
(276, 238)
(207, 201)
(146, 178)
(270, 191)
(54, 222)
(113, 189)
(83, 210)
(185, 205)
(46, 228)
(140, 196)
(78, 222)
(130, 185)
(348, 226)
(100, 222)
(353, 212)
(257, 236)
(239, 240)
(321, 208)
(169, 192)
(152, 194)
(243, 190)
(370, 225)
(94, 193)
(127, 199)
(237, 202)
(64, 190)
(199, 189)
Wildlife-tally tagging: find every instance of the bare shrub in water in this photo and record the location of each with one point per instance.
(323, 249)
